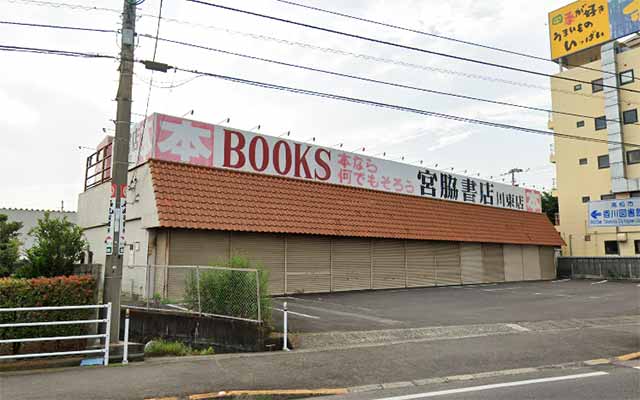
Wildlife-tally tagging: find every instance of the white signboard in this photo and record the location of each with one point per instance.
(198, 143)
(614, 213)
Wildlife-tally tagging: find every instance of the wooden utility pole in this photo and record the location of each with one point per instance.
(119, 170)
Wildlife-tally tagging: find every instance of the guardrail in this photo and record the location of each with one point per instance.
(105, 336)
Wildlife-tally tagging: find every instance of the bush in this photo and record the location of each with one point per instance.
(9, 245)
(232, 293)
(160, 348)
(42, 292)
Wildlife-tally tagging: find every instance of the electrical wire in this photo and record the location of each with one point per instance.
(370, 80)
(66, 53)
(66, 27)
(64, 5)
(405, 47)
(451, 39)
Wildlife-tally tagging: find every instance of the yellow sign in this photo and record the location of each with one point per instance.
(578, 26)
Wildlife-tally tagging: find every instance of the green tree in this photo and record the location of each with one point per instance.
(9, 245)
(550, 206)
(58, 246)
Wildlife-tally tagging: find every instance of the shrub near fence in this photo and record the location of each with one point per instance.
(41, 292)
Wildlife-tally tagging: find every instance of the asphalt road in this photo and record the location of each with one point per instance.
(458, 305)
(607, 383)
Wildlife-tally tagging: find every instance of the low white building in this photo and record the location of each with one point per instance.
(29, 219)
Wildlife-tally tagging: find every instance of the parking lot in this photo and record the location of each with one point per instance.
(458, 305)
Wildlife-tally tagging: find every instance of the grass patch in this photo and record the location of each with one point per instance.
(164, 348)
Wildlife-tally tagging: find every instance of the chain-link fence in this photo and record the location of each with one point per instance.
(238, 293)
(599, 267)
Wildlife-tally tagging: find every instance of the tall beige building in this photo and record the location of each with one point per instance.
(588, 171)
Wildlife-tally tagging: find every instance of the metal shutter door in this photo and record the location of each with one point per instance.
(262, 249)
(196, 247)
(531, 261)
(493, 262)
(421, 263)
(471, 263)
(448, 270)
(388, 264)
(351, 264)
(513, 266)
(547, 262)
(308, 264)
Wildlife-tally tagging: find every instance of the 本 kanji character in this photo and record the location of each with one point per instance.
(344, 176)
(469, 190)
(486, 193)
(373, 181)
(397, 184)
(359, 178)
(448, 186)
(344, 160)
(371, 167)
(427, 183)
(386, 183)
(408, 187)
(358, 163)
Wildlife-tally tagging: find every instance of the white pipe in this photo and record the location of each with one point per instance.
(107, 339)
(284, 337)
(125, 353)
(44, 339)
(59, 353)
(54, 308)
(45, 323)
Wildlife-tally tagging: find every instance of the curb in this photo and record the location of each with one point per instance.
(628, 357)
(276, 392)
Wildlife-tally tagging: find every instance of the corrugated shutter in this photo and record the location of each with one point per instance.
(547, 262)
(263, 249)
(493, 262)
(471, 263)
(513, 263)
(421, 263)
(388, 264)
(195, 247)
(351, 264)
(531, 260)
(448, 271)
(308, 264)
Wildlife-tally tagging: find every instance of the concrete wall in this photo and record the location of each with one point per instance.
(29, 219)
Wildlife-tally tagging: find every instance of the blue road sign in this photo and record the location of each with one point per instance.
(618, 212)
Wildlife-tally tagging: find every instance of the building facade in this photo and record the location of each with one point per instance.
(192, 201)
(589, 171)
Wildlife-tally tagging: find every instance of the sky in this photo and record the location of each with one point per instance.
(56, 109)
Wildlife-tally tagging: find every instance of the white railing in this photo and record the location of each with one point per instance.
(105, 336)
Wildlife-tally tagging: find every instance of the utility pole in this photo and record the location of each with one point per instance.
(513, 172)
(119, 171)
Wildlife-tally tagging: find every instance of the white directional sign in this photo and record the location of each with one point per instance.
(614, 212)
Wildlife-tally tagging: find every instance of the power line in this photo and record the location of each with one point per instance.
(66, 27)
(370, 80)
(403, 108)
(66, 53)
(64, 5)
(402, 46)
(419, 32)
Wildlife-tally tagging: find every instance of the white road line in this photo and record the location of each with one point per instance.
(518, 327)
(494, 386)
(298, 314)
(636, 367)
(561, 280)
(597, 283)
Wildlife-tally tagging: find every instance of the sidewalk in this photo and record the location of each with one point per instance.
(328, 368)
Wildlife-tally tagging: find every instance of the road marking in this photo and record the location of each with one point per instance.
(519, 328)
(597, 283)
(495, 386)
(628, 357)
(561, 280)
(636, 367)
(297, 313)
(348, 314)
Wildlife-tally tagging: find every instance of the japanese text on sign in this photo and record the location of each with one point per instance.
(614, 213)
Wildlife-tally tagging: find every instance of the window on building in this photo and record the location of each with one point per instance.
(608, 197)
(603, 161)
(611, 247)
(633, 157)
(596, 86)
(579, 85)
(601, 123)
(585, 199)
(636, 244)
(583, 161)
(579, 124)
(630, 116)
(626, 77)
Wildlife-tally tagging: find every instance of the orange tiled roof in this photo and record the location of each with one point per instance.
(196, 197)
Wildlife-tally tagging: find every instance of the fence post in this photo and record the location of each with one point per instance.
(258, 299)
(284, 337)
(198, 288)
(125, 352)
(107, 338)
(600, 266)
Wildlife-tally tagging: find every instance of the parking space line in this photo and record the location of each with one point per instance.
(349, 314)
(495, 386)
(597, 283)
(298, 314)
(519, 328)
